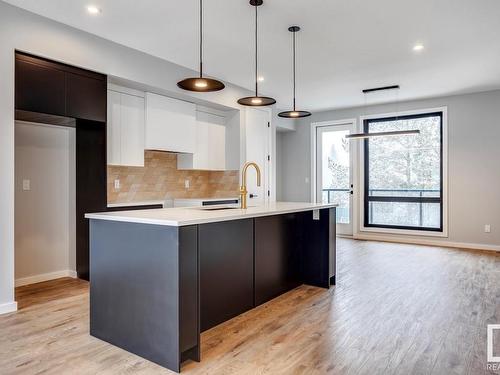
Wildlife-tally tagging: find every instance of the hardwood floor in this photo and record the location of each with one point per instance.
(397, 309)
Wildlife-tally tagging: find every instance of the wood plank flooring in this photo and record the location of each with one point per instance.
(397, 309)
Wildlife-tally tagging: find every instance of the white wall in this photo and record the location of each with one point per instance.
(31, 33)
(45, 214)
(473, 173)
(284, 124)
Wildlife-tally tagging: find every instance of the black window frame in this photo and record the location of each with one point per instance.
(368, 199)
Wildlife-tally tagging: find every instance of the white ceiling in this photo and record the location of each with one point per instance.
(344, 46)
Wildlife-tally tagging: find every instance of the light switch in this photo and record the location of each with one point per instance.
(117, 184)
(26, 185)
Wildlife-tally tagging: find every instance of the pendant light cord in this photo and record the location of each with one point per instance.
(256, 53)
(294, 114)
(294, 58)
(201, 38)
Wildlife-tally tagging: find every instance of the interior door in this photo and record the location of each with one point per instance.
(257, 150)
(334, 172)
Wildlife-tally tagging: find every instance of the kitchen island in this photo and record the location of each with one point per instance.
(158, 278)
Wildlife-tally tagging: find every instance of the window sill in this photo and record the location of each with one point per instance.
(405, 232)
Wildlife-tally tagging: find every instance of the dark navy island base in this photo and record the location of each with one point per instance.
(155, 288)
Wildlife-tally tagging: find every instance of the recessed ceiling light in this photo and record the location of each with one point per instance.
(261, 79)
(418, 47)
(92, 9)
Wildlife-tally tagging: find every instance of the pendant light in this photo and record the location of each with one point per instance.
(382, 134)
(294, 114)
(201, 84)
(256, 101)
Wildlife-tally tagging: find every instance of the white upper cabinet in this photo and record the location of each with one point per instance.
(200, 157)
(114, 128)
(210, 151)
(217, 147)
(125, 129)
(132, 120)
(170, 124)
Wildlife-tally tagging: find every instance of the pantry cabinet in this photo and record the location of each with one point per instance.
(48, 87)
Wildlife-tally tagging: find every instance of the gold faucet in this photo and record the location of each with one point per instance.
(243, 187)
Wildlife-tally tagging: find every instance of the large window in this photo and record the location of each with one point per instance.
(404, 174)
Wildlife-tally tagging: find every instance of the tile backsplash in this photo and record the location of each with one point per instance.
(159, 179)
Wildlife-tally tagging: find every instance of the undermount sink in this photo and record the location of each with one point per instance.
(220, 207)
(217, 208)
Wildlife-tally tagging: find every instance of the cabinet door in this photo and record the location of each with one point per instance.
(201, 155)
(114, 128)
(39, 88)
(210, 151)
(85, 97)
(226, 270)
(170, 124)
(217, 147)
(277, 256)
(132, 130)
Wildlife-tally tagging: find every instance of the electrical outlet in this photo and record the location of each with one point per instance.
(117, 184)
(487, 228)
(186, 184)
(26, 185)
(315, 214)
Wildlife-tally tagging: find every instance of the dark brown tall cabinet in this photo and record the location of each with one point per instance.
(60, 94)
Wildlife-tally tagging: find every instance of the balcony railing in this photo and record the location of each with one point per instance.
(417, 193)
(342, 210)
(330, 191)
(419, 196)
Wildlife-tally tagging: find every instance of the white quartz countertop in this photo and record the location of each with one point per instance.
(205, 199)
(135, 204)
(196, 215)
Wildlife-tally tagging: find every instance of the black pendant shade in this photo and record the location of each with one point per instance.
(256, 101)
(201, 84)
(294, 113)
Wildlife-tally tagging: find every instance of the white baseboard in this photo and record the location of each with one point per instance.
(9, 307)
(426, 242)
(44, 277)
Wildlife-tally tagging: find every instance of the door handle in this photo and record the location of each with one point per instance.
(253, 195)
